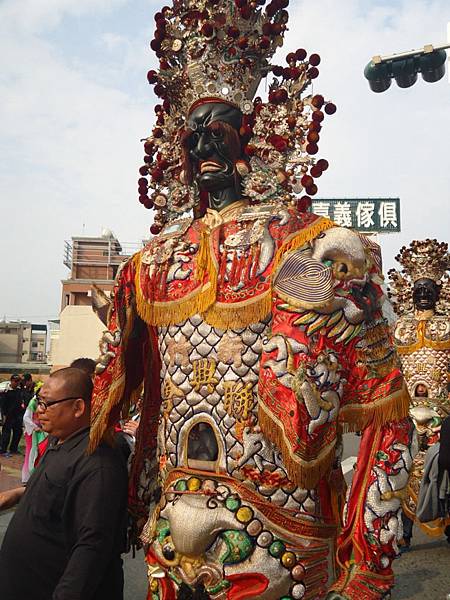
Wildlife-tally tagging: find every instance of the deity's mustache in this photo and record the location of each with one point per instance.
(230, 139)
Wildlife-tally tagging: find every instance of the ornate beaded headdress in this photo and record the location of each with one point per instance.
(219, 50)
(427, 259)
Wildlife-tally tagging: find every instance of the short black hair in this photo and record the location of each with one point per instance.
(76, 382)
(27, 377)
(85, 364)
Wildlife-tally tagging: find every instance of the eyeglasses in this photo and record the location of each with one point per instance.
(44, 404)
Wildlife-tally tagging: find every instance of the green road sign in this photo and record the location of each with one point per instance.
(370, 215)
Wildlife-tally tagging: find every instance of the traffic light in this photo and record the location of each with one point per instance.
(405, 67)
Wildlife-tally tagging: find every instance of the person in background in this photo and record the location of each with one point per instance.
(71, 517)
(444, 450)
(34, 436)
(13, 410)
(28, 388)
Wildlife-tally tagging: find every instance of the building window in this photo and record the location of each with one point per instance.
(34, 344)
(67, 300)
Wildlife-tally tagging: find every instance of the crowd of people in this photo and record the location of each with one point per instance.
(14, 403)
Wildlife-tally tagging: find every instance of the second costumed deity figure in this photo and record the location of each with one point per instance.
(256, 330)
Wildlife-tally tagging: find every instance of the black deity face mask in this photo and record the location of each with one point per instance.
(212, 146)
(425, 294)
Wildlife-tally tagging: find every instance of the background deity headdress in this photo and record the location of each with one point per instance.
(422, 259)
(220, 50)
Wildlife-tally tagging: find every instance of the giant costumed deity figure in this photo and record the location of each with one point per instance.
(256, 328)
(421, 299)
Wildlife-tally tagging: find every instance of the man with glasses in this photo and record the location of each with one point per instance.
(71, 516)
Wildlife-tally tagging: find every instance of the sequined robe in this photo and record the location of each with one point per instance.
(260, 338)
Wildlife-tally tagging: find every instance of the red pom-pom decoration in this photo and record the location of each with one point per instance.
(143, 170)
(160, 90)
(330, 108)
(278, 142)
(304, 203)
(313, 73)
(277, 28)
(313, 137)
(312, 148)
(316, 171)
(271, 9)
(317, 101)
(291, 58)
(157, 174)
(152, 76)
(314, 60)
(157, 132)
(315, 126)
(322, 164)
(300, 54)
(318, 116)
(264, 42)
(277, 70)
(149, 147)
(306, 181)
(311, 190)
(155, 229)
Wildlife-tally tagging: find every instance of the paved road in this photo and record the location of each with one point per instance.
(421, 574)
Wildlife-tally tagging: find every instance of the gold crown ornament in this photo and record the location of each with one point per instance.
(219, 51)
(423, 259)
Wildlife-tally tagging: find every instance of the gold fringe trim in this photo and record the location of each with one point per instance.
(115, 393)
(304, 473)
(197, 301)
(203, 299)
(395, 407)
(239, 314)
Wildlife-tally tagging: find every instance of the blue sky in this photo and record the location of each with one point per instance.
(75, 103)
